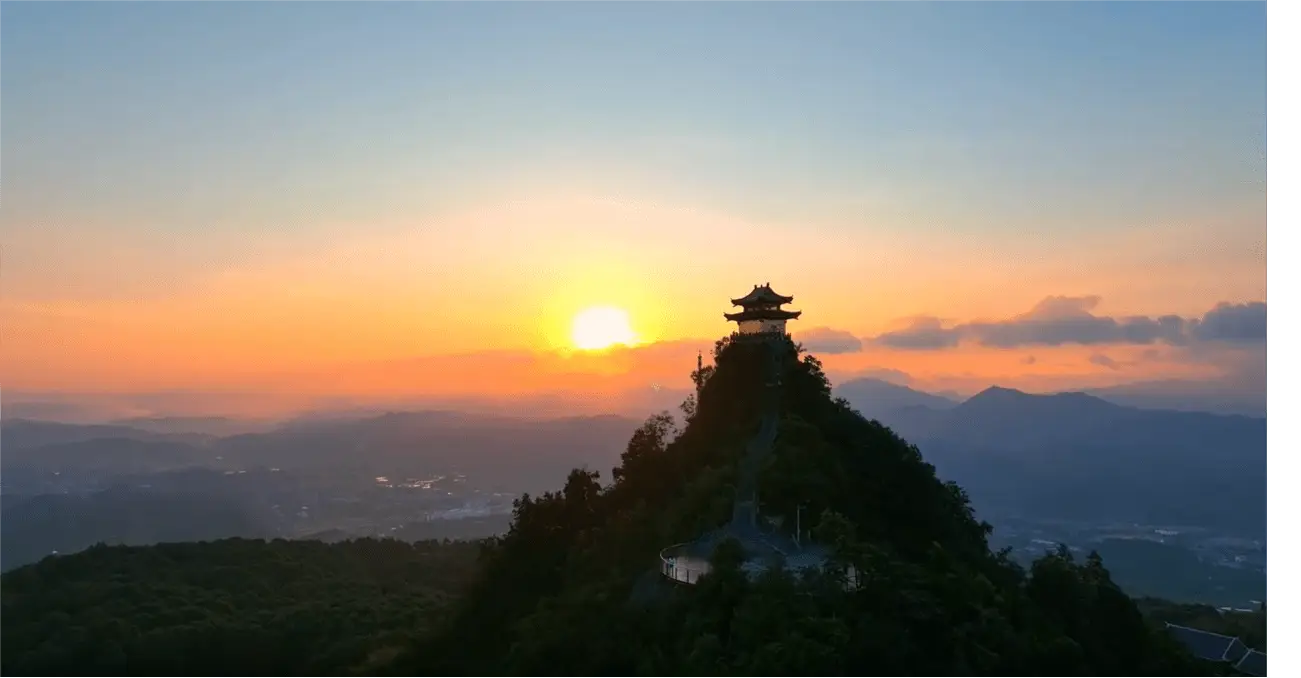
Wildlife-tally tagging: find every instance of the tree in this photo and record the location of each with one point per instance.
(228, 607)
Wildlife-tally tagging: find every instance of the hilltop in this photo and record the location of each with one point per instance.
(575, 587)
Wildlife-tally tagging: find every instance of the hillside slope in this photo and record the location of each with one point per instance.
(574, 587)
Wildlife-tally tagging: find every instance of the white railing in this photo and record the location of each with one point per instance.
(689, 570)
(674, 568)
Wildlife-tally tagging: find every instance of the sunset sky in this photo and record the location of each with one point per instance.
(420, 197)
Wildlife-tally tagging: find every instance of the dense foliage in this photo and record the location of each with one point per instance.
(573, 588)
(229, 607)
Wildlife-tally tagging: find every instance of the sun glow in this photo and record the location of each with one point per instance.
(602, 327)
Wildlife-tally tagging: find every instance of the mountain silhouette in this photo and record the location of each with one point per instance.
(1073, 456)
(516, 453)
(28, 433)
(875, 397)
(35, 527)
(118, 455)
(1235, 396)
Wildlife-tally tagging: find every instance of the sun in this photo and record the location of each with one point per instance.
(602, 327)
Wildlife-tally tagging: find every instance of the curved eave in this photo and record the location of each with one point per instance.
(762, 315)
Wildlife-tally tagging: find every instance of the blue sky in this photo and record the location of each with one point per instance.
(253, 109)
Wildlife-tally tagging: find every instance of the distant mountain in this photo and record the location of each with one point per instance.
(26, 433)
(117, 455)
(870, 395)
(520, 453)
(1066, 456)
(517, 454)
(331, 536)
(1015, 419)
(1074, 456)
(49, 411)
(876, 397)
(35, 527)
(213, 426)
(1188, 396)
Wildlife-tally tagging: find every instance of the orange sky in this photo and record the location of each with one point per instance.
(460, 285)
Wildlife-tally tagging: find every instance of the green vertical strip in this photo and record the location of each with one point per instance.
(1284, 389)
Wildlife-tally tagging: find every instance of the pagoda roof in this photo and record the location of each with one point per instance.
(762, 314)
(762, 295)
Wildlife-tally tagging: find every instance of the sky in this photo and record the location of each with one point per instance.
(380, 198)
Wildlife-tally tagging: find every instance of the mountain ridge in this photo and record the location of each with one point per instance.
(858, 390)
(1063, 456)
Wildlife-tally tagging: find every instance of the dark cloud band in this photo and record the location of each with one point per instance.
(828, 340)
(1057, 321)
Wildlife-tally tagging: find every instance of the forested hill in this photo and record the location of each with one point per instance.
(234, 607)
(574, 587)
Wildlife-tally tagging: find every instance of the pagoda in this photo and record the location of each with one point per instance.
(762, 312)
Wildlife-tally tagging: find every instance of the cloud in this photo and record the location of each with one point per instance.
(924, 332)
(886, 374)
(1029, 360)
(828, 340)
(1238, 323)
(1069, 320)
(1103, 360)
(1061, 320)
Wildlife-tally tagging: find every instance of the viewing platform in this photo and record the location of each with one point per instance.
(686, 563)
